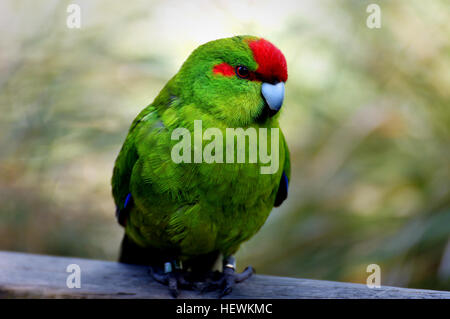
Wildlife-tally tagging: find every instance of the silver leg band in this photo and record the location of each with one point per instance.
(167, 267)
(229, 262)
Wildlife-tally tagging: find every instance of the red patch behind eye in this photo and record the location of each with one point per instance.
(271, 62)
(224, 69)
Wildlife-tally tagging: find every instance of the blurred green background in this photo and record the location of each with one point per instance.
(366, 116)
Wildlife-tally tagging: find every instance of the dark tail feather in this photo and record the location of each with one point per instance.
(131, 253)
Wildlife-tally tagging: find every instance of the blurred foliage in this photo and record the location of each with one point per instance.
(367, 119)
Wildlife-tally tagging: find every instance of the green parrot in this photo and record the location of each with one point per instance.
(181, 216)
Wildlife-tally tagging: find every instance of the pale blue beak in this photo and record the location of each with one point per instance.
(274, 95)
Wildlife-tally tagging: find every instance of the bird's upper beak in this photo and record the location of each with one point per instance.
(274, 96)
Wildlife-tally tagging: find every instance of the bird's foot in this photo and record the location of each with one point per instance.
(173, 277)
(228, 278)
(176, 278)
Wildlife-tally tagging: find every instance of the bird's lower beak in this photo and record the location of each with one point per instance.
(274, 96)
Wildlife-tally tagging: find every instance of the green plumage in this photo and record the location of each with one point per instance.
(192, 209)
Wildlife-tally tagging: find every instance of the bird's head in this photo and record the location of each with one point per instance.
(238, 80)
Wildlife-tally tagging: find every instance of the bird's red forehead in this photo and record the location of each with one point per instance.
(271, 62)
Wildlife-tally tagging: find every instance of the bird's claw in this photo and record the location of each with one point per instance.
(226, 281)
(173, 280)
(182, 279)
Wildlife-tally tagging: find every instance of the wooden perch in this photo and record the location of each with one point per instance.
(37, 276)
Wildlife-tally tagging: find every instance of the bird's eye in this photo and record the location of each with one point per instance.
(242, 72)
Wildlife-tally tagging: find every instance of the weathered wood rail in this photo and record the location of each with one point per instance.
(37, 276)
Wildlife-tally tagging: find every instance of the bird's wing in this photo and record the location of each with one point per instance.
(123, 167)
(285, 177)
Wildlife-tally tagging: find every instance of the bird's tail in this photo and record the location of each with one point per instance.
(132, 253)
